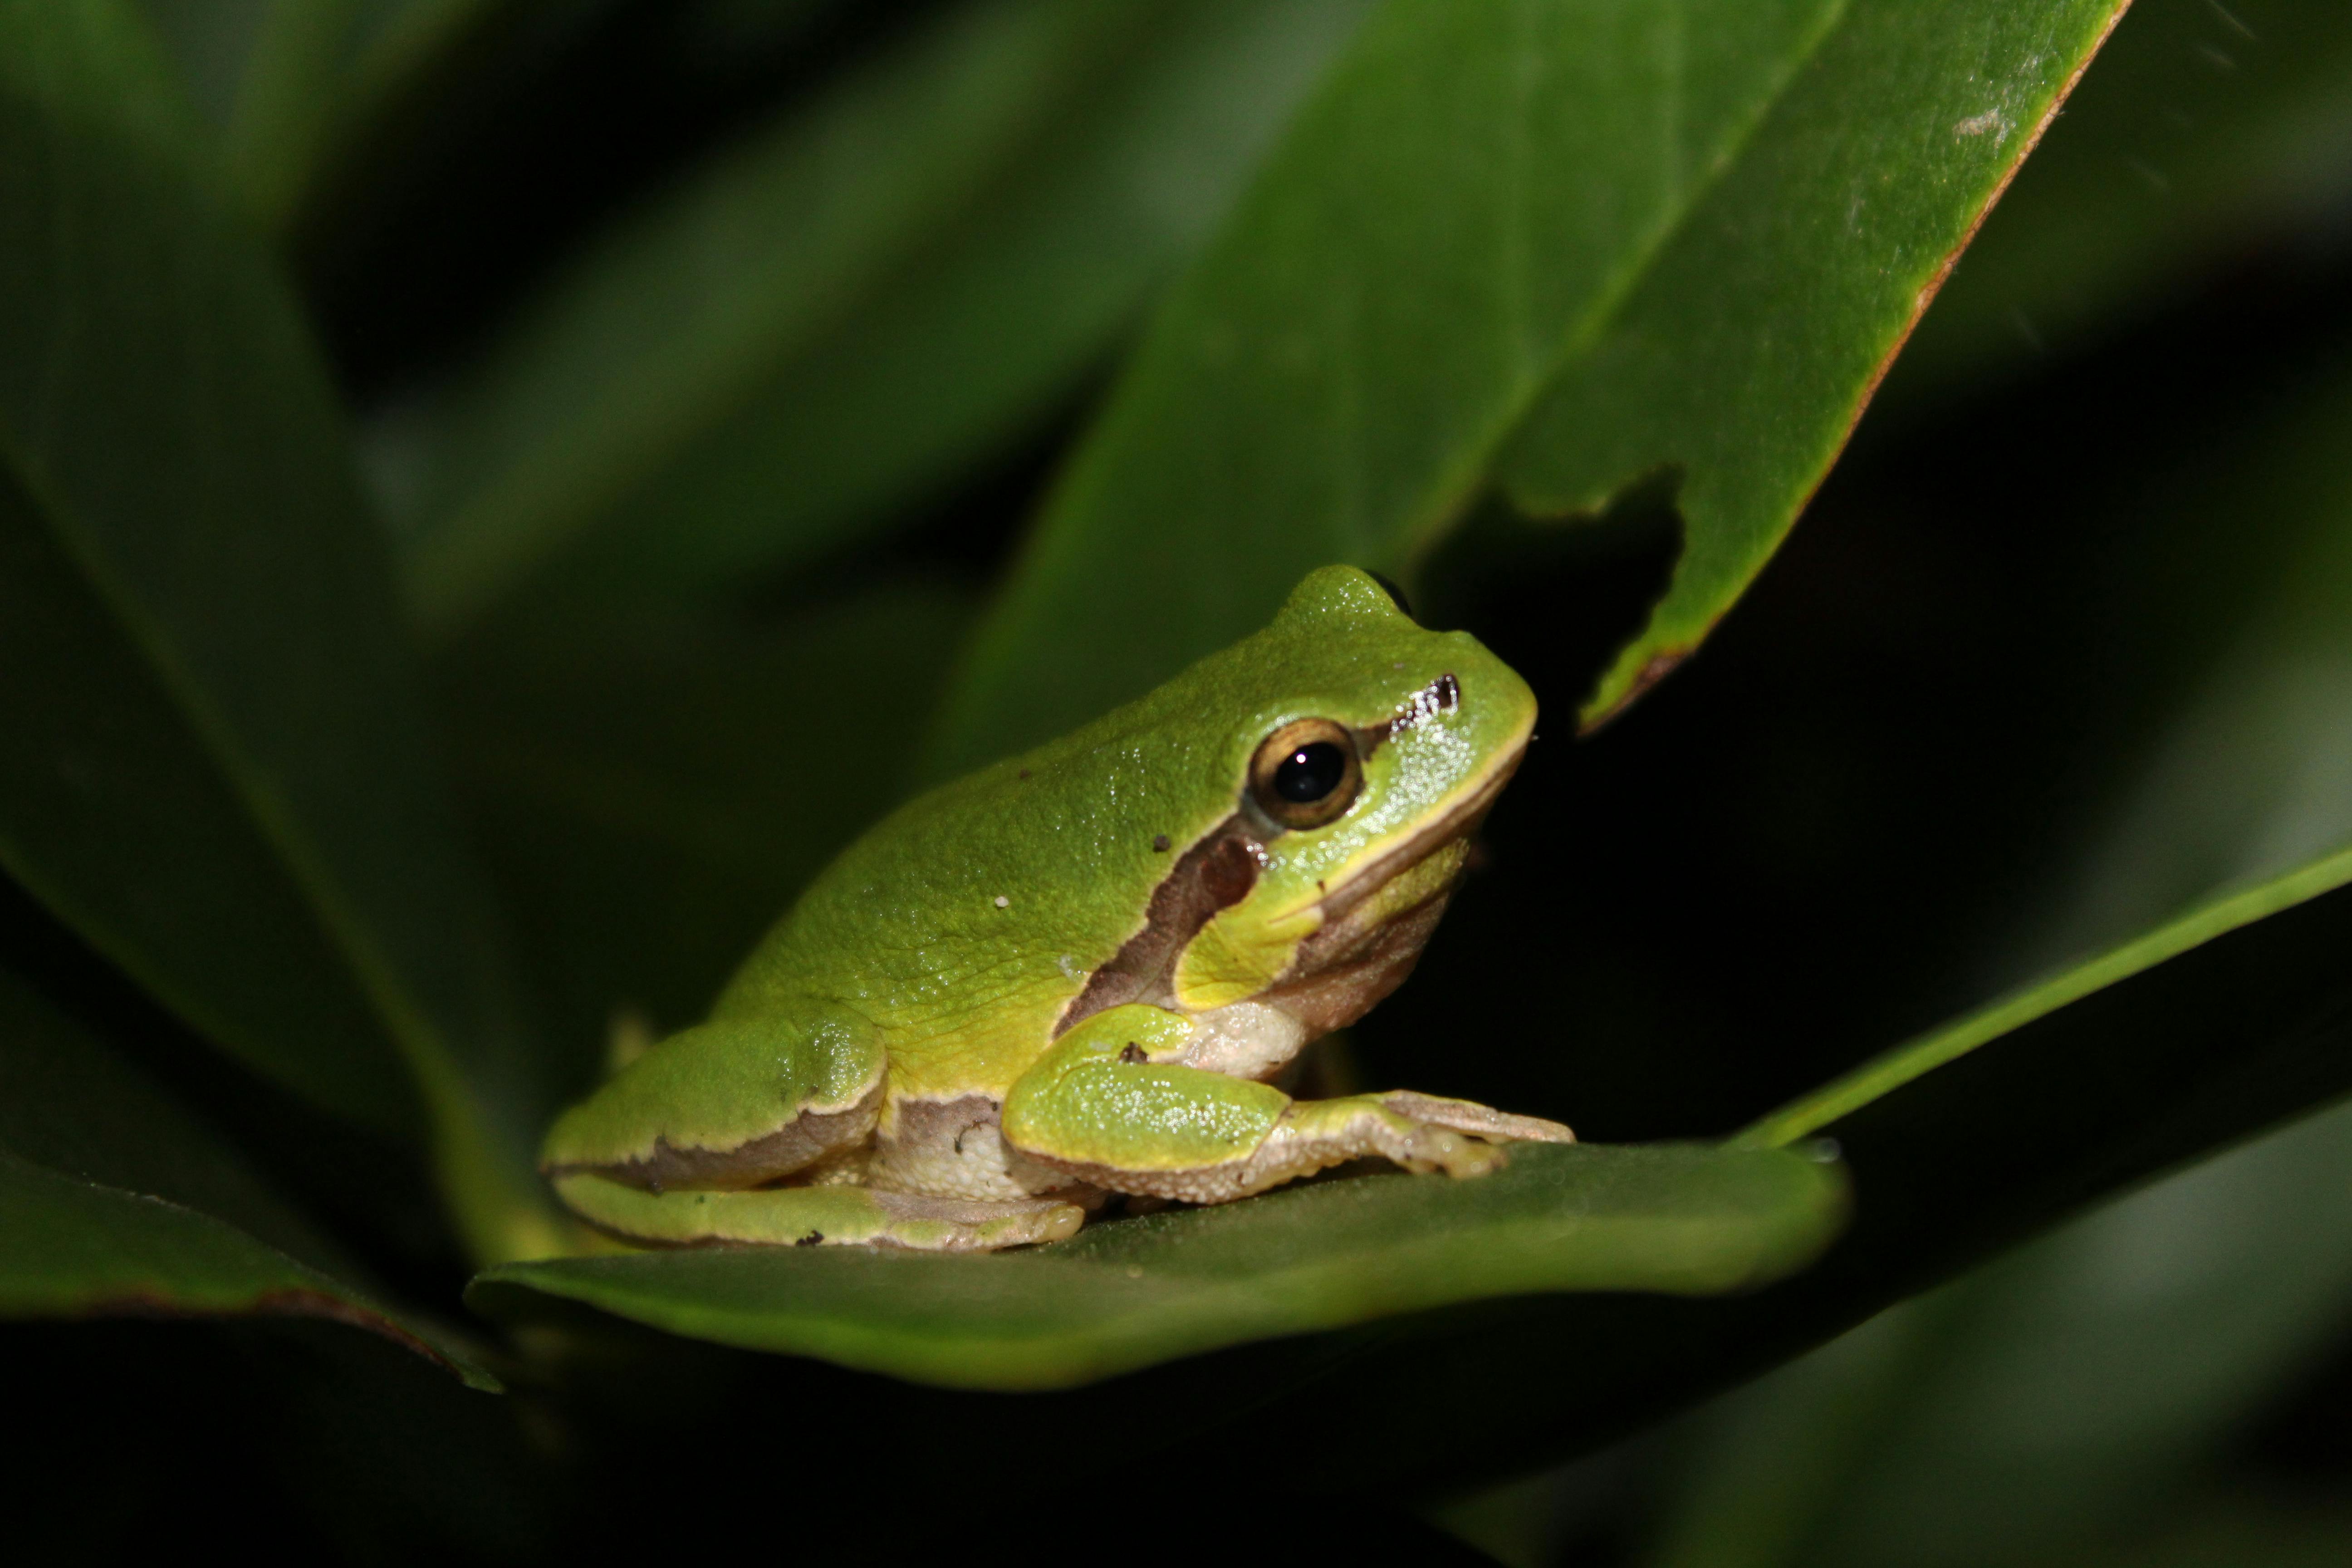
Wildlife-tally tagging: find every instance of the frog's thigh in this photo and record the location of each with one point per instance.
(1100, 1107)
(732, 1102)
(807, 1216)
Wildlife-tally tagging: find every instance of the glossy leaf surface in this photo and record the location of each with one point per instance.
(2207, 132)
(114, 1200)
(1481, 257)
(1961, 1143)
(72, 1248)
(2065, 1384)
(1683, 1220)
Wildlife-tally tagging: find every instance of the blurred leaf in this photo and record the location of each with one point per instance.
(287, 80)
(209, 679)
(840, 311)
(2208, 132)
(2239, 1531)
(90, 60)
(2042, 1008)
(102, 786)
(2052, 1401)
(650, 793)
(1771, 1456)
(77, 1248)
(1122, 1295)
(1979, 1137)
(1553, 246)
(2076, 1381)
(2064, 1391)
(113, 1200)
(70, 1104)
(2250, 773)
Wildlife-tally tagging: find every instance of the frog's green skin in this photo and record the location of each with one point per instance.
(1068, 974)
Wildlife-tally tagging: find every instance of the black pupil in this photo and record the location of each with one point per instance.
(1310, 773)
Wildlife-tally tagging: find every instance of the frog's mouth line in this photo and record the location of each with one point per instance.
(1370, 930)
(1459, 820)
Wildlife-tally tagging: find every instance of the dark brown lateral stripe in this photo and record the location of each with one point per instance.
(805, 1139)
(1216, 873)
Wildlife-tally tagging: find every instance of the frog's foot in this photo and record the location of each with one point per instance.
(1311, 1135)
(1478, 1120)
(811, 1217)
(1303, 1137)
(1108, 1107)
(1418, 1131)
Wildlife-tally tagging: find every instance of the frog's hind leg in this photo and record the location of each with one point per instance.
(732, 1103)
(811, 1217)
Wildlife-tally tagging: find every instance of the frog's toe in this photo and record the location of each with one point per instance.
(1478, 1120)
(970, 1225)
(1316, 1133)
(1441, 1149)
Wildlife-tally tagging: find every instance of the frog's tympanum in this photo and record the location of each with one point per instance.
(1073, 973)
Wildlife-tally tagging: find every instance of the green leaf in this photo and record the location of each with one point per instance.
(92, 59)
(220, 767)
(102, 785)
(114, 1200)
(1908, 1065)
(289, 82)
(1556, 246)
(2225, 1530)
(2030, 1411)
(840, 311)
(1960, 1145)
(2217, 1041)
(72, 1248)
(1669, 1218)
(2207, 133)
(2064, 1384)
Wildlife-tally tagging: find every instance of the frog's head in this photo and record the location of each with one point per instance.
(1359, 753)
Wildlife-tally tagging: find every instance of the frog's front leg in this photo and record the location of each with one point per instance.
(1112, 1105)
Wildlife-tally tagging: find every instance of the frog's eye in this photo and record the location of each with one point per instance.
(1306, 774)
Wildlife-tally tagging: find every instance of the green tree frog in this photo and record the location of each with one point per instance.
(1071, 974)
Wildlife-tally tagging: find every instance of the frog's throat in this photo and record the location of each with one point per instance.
(1352, 939)
(1373, 926)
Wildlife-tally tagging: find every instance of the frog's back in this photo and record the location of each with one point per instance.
(963, 924)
